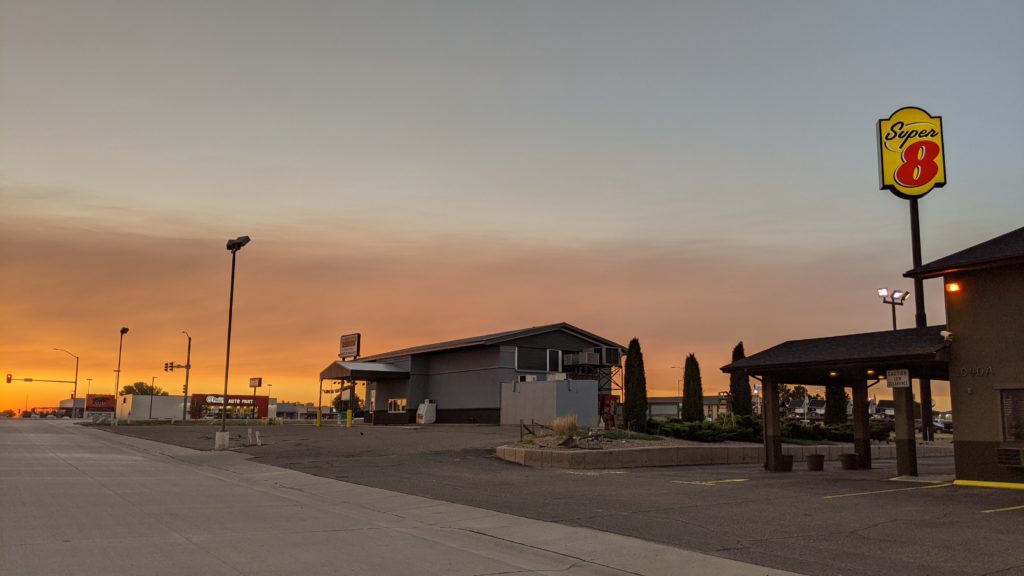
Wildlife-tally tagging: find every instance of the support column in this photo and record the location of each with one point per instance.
(906, 443)
(861, 425)
(925, 385)
(772, 425)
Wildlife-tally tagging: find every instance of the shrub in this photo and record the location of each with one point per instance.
(564, 425)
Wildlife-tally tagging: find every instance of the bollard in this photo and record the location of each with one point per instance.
(259, 442)
(348, 418)
(248, 436)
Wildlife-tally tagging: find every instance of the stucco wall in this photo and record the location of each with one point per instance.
(986, 318)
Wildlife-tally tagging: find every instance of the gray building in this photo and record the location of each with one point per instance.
(464, 377)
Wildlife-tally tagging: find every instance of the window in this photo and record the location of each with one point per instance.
(554, 360)
(531, 359)
(1013, 415)
(396, 404)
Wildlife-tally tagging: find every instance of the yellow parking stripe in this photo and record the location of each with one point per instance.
(1002, 509)
(890, 490)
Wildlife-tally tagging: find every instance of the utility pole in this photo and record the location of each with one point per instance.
(188, 368)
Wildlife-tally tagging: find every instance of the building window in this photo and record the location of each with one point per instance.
(1013, 415)
(396, 405)
(531, 359)
(554, 360)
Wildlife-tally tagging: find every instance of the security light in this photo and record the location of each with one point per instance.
(883, 292)
(953, 287)
(897, 298)
(236, 244)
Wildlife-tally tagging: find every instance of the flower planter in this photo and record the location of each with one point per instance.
(815, 462)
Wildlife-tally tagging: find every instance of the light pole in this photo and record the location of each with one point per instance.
(233, 246)
(74, 395)
(188, 368)
(117, 376)
(679, 387)
(897, 298)
(152, 392)
(88, 388)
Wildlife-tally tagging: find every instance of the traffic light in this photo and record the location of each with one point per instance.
(184, 389)
(168, 366)
(9, 378)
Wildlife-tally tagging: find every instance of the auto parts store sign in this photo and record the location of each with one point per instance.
(910, 153)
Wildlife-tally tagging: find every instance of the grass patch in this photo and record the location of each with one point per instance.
(627, 435)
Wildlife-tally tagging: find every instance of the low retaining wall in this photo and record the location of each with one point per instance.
(687, 455)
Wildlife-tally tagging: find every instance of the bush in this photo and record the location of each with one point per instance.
(564, 425)
(740, 429)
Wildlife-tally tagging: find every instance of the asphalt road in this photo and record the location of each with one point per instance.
(83, 502)
(824, 523)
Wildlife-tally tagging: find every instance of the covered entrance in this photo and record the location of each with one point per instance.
(857, 362)
(348, 373)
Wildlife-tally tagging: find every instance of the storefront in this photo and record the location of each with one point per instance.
(209, 406)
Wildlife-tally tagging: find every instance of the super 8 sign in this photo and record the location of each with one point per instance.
(910, 153)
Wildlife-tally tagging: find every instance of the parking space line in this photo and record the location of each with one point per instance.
(946, 485)
(710, 482)
(1002, 509)
(593, 473)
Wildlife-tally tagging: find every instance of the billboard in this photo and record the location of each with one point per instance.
(99, 402)
(911, 155)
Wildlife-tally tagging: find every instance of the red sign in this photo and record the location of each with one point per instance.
(202, 404)
(99, 403)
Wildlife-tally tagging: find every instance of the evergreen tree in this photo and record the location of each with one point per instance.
(693, 391)
(635, 409)
(835, 405)
(739, 387)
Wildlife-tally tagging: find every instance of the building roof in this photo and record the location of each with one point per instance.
(497, 338)
(812, 361)
(363, 371)
(1005, 250)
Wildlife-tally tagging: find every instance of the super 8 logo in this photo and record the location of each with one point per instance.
(910, 153)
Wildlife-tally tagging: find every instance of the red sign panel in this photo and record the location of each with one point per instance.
(99, 403)
(239, 405)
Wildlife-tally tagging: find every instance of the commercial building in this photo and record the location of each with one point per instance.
(984, 297)
(132, 407)
(465, 377)
(664, 407)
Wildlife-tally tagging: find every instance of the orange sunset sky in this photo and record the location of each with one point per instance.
(692, 175)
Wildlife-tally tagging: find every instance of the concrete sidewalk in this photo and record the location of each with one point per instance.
(84, 502)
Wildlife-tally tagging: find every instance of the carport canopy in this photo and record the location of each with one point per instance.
(373, 371)
(821, 361)
(850, 361)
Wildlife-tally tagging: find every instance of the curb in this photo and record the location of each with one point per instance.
(686, 455)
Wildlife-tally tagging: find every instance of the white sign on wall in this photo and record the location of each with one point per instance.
(897, 378)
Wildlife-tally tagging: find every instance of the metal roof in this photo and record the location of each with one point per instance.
(1005, 250)
(812, 361)
(497, 338)
(363, 371)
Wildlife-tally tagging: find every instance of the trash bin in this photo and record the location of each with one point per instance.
(848, 461)
(815, 462)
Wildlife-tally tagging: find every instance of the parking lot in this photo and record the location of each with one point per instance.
(829, 523)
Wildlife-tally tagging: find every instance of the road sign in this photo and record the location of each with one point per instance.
(255, 382)
(897, 378)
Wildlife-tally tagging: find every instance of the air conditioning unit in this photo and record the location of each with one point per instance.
(527, 377)
(1013, 457)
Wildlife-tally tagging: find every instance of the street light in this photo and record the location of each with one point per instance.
(117, 377)
(188, 368)
(74, 395)
(233, 246)
(897, 298)
(679, 386)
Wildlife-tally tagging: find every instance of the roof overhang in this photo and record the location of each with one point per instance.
(372, 371)
(851, 358)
